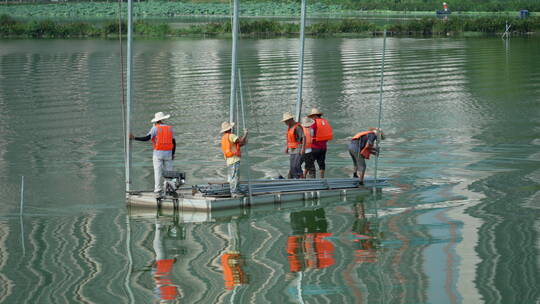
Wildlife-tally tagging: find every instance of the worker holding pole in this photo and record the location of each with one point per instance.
(230, 146)
(164, 145)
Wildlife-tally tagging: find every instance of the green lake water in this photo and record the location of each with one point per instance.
(459, 223)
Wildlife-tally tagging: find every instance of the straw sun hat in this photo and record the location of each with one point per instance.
(287, 116)
(226, 126)
(315, 111)
(160, 116)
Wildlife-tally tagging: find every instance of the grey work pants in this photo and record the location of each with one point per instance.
(160, 164)
(295, 165)
(359, 161)
(233, 175)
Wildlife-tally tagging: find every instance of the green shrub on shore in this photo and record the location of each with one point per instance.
(10, 27)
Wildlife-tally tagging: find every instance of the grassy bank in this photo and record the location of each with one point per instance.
(260, 8)
(10, 27)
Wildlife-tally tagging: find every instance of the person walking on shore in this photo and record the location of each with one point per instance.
(164, 146)
(230, 146)
(361, 147)
(322, 133)
(295, 146)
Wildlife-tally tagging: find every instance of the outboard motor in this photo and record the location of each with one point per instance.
(173, 181)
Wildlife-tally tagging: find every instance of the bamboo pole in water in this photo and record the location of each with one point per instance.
(129, 68)
(300, 63)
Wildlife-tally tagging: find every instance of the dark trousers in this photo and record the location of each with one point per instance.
(319, 155)
(307, 158)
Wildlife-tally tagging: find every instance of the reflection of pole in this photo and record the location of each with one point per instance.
(300, 277)
(300, 63)
(21, 215)
(380, 107)
(130, 261)
(234, 237)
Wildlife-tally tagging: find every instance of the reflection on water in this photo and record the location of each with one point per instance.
(458, 225)
(348, 252)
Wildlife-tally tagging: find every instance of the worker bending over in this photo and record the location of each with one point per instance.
(361, 147)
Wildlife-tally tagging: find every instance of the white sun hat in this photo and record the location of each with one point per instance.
(160, 116)
(226, 126)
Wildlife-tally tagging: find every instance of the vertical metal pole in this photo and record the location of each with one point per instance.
(300, 63)
(380, 105)
(22, 196)
(244, 126)
(129, 69)
(234, 57)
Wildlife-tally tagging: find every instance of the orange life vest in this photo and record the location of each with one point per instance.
(295, 264)
(311, 250)
(163, 140)
(323, 131)
(360, 134)
(366, 151)
(226, 146)
(324, 250)
(292, 142)
(232, 272)
(163, 279)
(307, 134)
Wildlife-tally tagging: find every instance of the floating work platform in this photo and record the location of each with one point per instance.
(214, 196)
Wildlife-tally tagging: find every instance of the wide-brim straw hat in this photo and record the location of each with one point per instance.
(287, 116)
(226, 126)
(315, 111)
(306, 122)
(160, 116)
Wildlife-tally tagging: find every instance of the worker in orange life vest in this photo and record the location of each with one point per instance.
(164, 145)
(322, 133)
(295, 145)
(361, 147)
(162, 269)
(309, 246)
(307, 158)
(230, 146)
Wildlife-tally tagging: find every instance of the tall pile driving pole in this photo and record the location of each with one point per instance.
(129, 69)
(234, 58)
(380, 104)
(300, 79)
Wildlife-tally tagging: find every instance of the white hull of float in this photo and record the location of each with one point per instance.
(198, 202)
